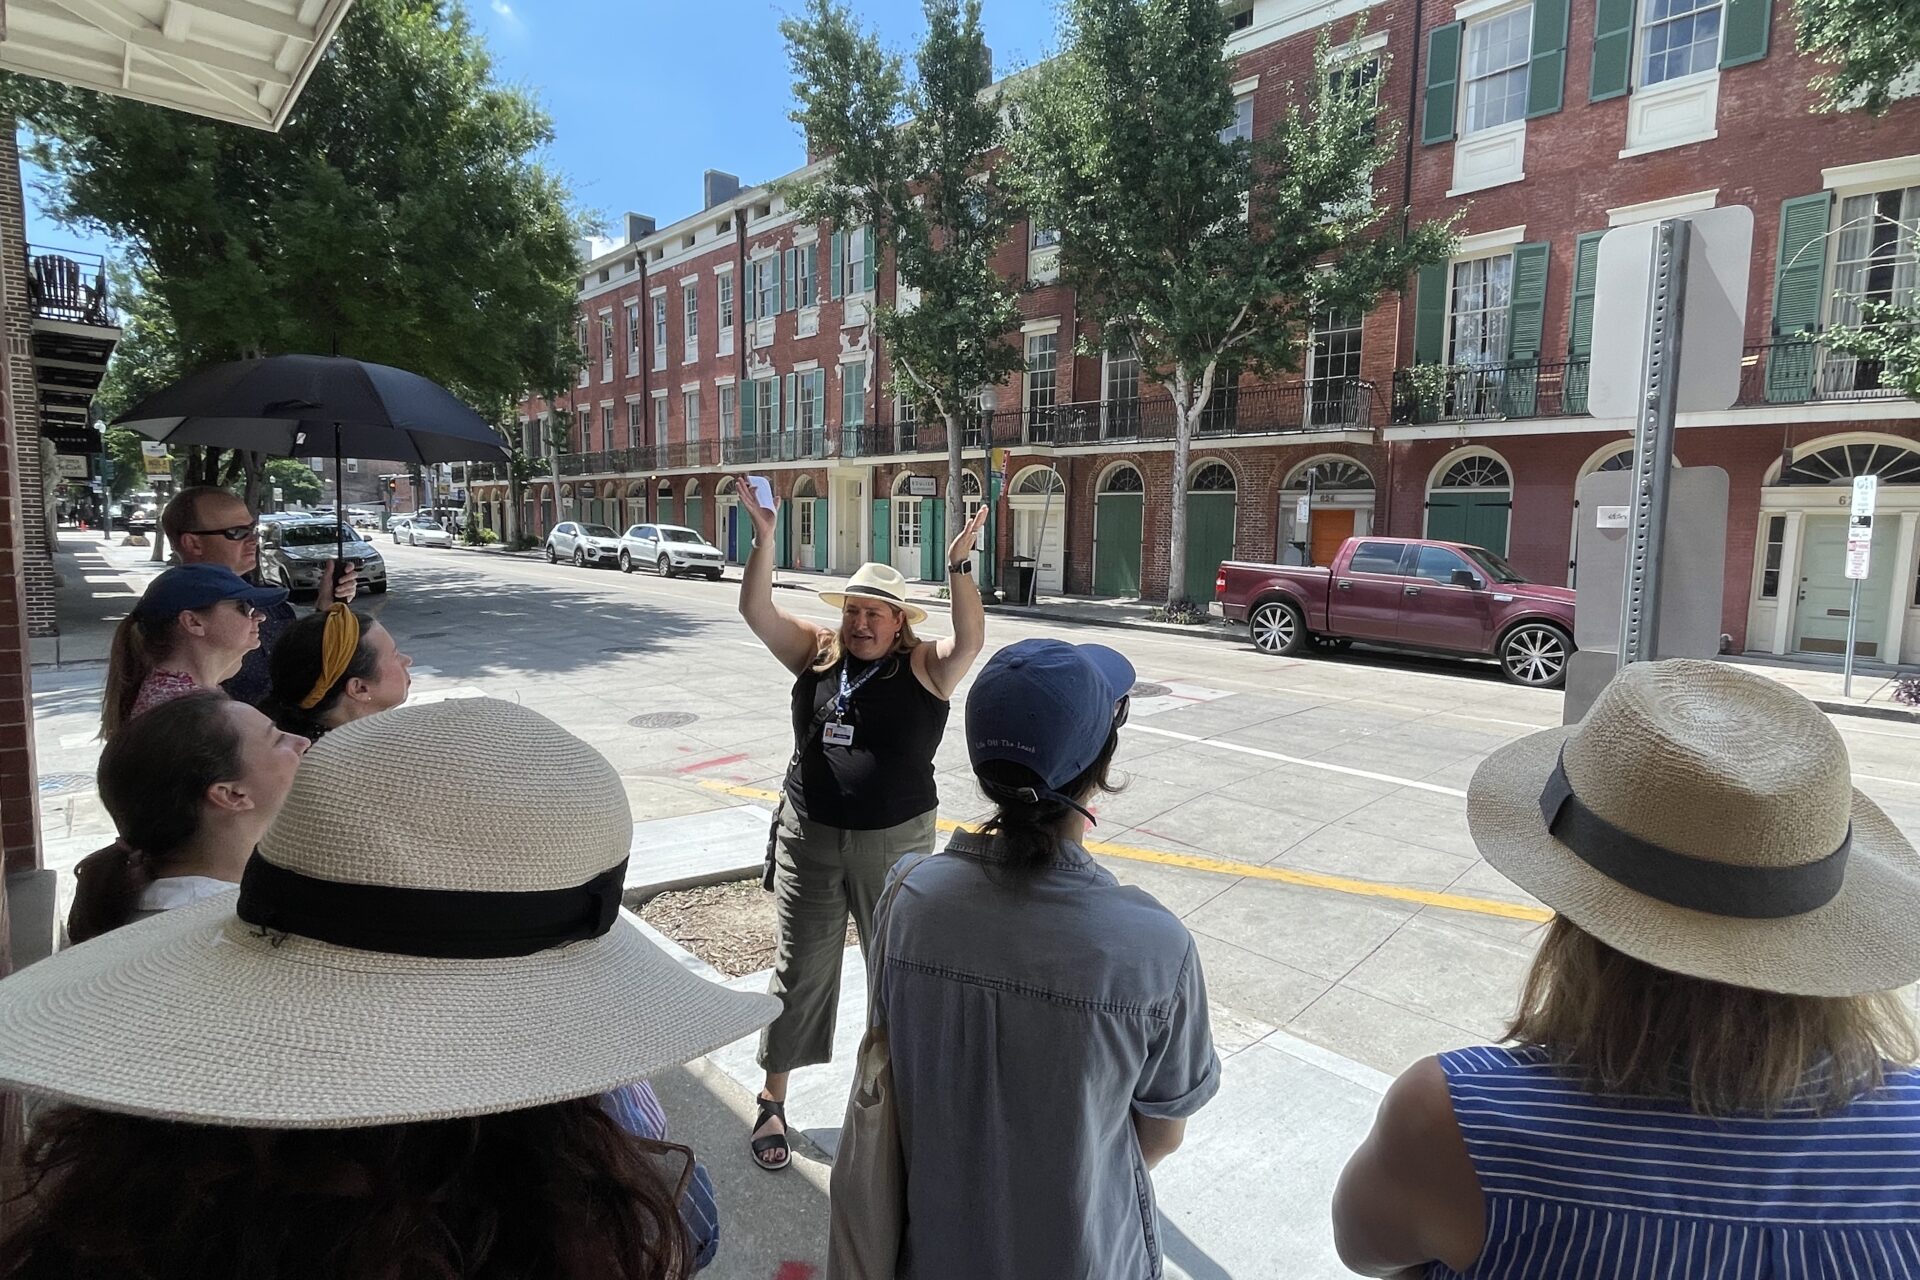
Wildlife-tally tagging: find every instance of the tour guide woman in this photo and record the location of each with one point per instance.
(869, 709)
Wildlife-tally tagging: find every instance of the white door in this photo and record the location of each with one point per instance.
(807, 512)
(906, 536)
(1028, 534)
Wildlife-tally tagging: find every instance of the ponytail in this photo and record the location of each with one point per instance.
(1026, 820)
(153, 779)
(139, 642)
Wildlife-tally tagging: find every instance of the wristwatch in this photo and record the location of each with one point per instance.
(965, 566)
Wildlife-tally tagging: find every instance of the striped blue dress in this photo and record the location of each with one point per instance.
(1580, 1187)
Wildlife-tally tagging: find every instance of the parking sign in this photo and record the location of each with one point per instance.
(1860, 526)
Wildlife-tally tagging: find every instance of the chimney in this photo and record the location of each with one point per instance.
(720, 187)
(986, 66)
(639, 227)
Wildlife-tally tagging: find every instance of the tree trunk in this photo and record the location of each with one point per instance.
(516, 491)
(1183, 415)
(955, 505)
(255, 471)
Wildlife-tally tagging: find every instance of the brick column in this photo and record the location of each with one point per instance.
(26, 567)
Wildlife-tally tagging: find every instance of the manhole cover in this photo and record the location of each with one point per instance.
(427, 635)
(1145, 690)
(59, 784)
(663, 720)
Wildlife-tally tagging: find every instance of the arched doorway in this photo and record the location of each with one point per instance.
(1039, 501)
(1608, 457)
(664, 510)
(693, 507)
(971, 497)
(1801, 597)
(1338, 506)
(732, 530)
(1118, 510)
(1470, 499)
(637, 502)
(809, 538)
(906, 553)
(1212, 500)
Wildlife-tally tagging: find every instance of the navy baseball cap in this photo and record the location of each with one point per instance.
(198, 586)
(1047, 705)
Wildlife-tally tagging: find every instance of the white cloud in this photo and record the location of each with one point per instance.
(505, 10)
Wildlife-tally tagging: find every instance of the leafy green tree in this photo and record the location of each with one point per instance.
(402, 215)
(1872, 47)
(295, 480)
(1206, 254)
(1889, 335)
(909, 160)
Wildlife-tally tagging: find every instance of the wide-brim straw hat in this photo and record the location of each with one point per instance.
(1703, 819)
(880, 582)
(472, 827)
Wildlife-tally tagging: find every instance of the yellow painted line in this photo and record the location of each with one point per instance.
(1247, 870)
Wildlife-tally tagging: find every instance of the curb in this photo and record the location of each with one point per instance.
(1867, 712)
(644, 893)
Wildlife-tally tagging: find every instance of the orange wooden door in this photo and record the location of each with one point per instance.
(1331, 527)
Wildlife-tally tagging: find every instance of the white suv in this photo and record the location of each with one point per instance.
(584, 544)
(671, 549)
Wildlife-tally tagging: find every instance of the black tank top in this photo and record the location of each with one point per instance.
(885, 777)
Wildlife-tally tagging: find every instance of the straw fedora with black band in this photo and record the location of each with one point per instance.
(461, 952)
(1703, 819)
(881, 582)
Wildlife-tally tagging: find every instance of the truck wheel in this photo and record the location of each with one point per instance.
(1276, 627)
(1535, 654)
(626, 561)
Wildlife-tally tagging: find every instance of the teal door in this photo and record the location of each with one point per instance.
(1477, 519)
(694, 513)
(1826, 593)
(882, 550)
(1116, 543)
(1209, 541)
(933, 542)
(666, 510)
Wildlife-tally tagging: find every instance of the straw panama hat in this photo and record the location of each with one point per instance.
(454, 871)
(877, 582)
(1724, 800)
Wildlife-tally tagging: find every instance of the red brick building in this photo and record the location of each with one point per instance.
(1544, 122)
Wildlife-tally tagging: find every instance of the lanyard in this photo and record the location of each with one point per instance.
(847, 691)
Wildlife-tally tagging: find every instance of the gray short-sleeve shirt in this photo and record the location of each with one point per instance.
(1030, 1013)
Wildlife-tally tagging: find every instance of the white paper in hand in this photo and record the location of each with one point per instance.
(762, 491)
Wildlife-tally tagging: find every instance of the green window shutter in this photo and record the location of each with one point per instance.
(933, 542)
(1526, 315)
(771, 388)
(1547, 70)
(882, 551)
(786, 423)
(837, 264)
(1430, 315)
(1745, 41)
(1586, 275)
(1799, 279)
(1443, 83)
(1612, 49)
(751, 293)
(743, 415)
(789, 279)
(866, 275)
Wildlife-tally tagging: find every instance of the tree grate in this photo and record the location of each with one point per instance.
(1145, 690)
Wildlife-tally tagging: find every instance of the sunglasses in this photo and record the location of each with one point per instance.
(249, 612)
(1120, 711)
(239, 533)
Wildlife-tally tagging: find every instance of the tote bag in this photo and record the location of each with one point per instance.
(867, 1214)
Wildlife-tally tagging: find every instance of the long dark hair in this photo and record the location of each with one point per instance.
(557, 1191)
(1029, 827)
(140, 643)
(296, 667)
(153, 778)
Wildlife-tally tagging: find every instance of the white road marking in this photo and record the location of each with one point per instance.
(1264, 754)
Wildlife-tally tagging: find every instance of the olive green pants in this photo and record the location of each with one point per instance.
(820, 876)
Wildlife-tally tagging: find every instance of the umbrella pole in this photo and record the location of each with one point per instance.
(339, 511)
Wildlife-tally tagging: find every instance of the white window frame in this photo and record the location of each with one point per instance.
(580, 332)
(729, 402)
(853, 392)
(853, 261)
(724, 307)
(690, 321)
(636, 422)
(633, 338)
(766, 418)
(657, 305)
(1479, 26)
(662, 418)
(1242, 126)
(606, 344)
(1642, 36)
(690, 411)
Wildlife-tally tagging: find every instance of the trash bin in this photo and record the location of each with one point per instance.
(1020, 579)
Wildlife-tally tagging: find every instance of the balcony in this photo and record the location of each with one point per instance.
(74, 334)
(1786, 371)
(781, 446)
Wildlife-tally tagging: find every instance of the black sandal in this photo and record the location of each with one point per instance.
(769, 1109)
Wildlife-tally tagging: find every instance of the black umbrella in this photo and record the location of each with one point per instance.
(294, 405)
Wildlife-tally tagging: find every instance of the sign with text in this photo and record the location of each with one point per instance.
(922, 486)
(158, 462)
(70, 466)
(1866, 490)
(1612, 517)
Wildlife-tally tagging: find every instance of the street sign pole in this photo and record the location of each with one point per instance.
(1653, 442)
(1866, 491)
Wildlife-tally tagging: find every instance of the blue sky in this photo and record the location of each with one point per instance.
(645, 95)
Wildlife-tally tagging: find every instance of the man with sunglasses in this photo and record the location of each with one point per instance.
(209, 525)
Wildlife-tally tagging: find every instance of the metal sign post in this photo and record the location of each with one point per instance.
(1653, 442)
(1859, 560)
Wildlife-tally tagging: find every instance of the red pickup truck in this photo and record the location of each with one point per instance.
(1407, 593)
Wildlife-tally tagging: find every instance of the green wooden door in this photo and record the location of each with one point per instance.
(933, 543)
(665, 515)
(882, 549)
(1478, 519)
(1116, 544)
(1209, 541)
(693, 513)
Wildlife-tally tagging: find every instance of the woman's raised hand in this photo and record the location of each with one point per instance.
(762, 517)
(962, 545)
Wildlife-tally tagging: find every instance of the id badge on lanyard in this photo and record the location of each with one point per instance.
(837, 732)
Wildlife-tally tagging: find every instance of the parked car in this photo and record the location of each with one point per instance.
(397, 526)
(671, 549)
(1407, 593)
(584, 544)
(427, 533)
(293, 553)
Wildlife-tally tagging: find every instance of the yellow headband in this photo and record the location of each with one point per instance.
(337, 646)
